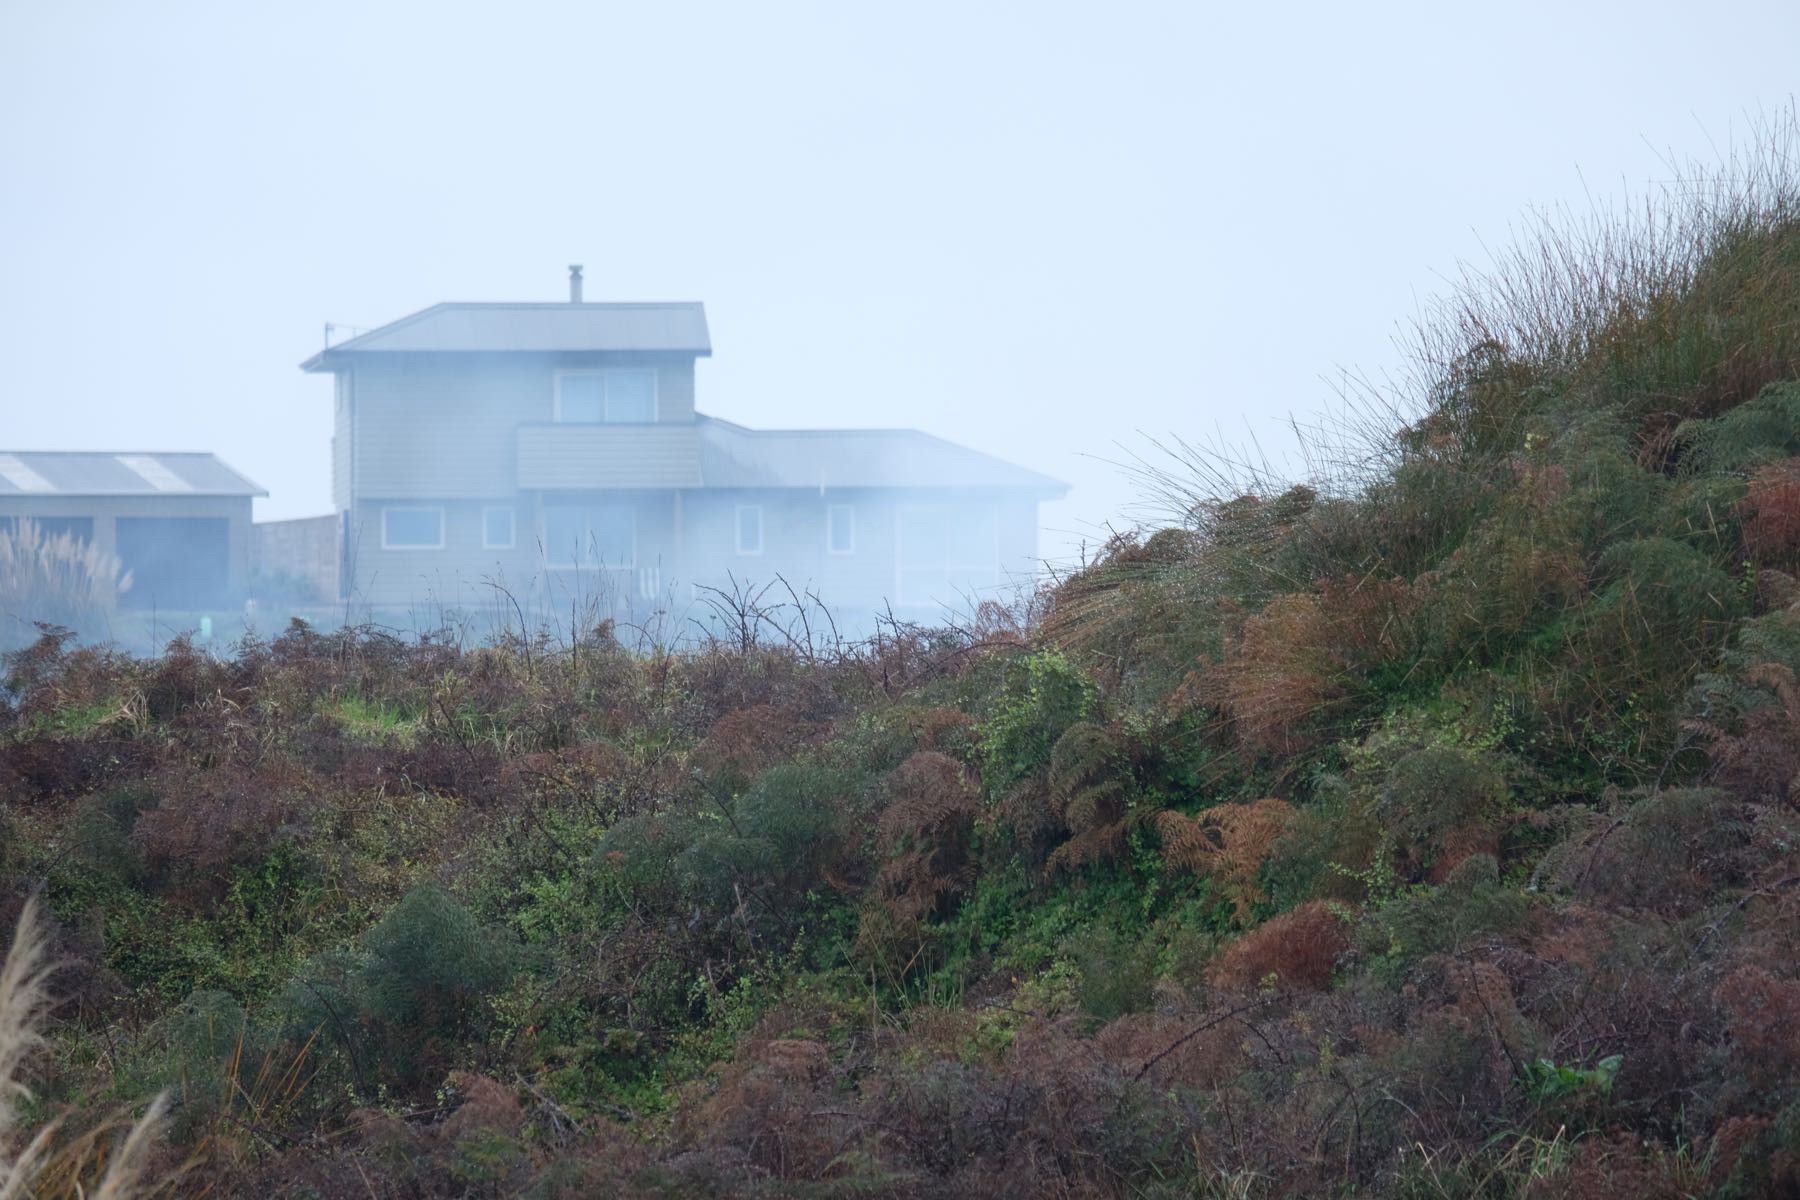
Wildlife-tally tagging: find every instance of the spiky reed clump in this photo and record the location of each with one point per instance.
(40, 1167)
(24, 1001)
(57, 579)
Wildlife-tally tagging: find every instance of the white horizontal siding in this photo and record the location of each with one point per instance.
(443, 425)
(569, 457)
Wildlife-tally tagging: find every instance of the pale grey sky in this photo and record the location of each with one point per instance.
(1043, 230)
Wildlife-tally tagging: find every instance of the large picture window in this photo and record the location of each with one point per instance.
(590, 535)
(619, 397)
(412, 528)
(946, 552)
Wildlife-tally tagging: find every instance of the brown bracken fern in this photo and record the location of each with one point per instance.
(1228, 842)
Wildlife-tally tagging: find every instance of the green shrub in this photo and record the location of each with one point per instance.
(1442, 799)
(428, 961)
(1762, 430)
(398, 1008)
(204, 1051)
(1043, 695)
(1472, 904)
(1116, 972)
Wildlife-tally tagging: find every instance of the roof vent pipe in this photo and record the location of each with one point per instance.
(574, 283)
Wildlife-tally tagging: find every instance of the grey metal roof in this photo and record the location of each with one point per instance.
(534, 328)
(734, 456)
(126, 473)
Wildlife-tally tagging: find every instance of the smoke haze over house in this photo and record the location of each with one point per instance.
(1046, 233)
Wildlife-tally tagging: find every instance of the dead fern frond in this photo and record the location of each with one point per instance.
(1229, 843)
(925, 834)
(1761, 754)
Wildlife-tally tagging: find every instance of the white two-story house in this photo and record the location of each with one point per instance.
(556, 447)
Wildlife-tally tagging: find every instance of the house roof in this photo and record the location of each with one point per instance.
(732, 455)
(676, 328)
(96, 473)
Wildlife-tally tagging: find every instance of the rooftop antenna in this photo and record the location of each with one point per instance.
(574, 283)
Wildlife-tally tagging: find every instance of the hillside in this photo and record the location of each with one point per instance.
(1428, 828)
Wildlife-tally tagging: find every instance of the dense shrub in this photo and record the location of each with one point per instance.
(926, 830)
(402, 1004)
(1427, 827)
(1297, 949)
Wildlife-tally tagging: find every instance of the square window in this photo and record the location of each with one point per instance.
(749, 529)
(412, 529)
(631, 396)
(840, 529)
(497, 527)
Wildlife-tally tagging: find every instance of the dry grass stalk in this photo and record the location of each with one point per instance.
(24, 1000)
(41, 1168)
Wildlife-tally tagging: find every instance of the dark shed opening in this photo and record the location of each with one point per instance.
(176, 563)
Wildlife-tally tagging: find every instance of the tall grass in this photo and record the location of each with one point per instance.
(55, 579)
(24, 1002)
(1623, 324)
(109, 1161)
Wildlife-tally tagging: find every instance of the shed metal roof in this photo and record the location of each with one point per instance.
(732, 455)
(678, 327)
(128, 473)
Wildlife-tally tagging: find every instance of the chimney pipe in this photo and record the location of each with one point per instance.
(574, 283)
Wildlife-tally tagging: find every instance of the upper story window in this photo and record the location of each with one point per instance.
(840, 529)
(412, 528)
(749, 529)
(612, 396)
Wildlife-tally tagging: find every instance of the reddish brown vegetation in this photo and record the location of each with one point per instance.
(1229, 842)
(1298, 949)
(1770, 511)
(924, 832)
(1293, 663)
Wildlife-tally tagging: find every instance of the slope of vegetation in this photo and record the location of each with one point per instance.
(1428, 829)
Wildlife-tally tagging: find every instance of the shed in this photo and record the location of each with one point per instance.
(179, 522)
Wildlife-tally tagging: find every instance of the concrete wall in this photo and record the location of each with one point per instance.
(306, 549)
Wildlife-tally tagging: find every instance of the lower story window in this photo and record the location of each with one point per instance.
(749, 529)
(412, 528)
(497, 527)
(590, 535)
(840, 529)
(947, 553)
